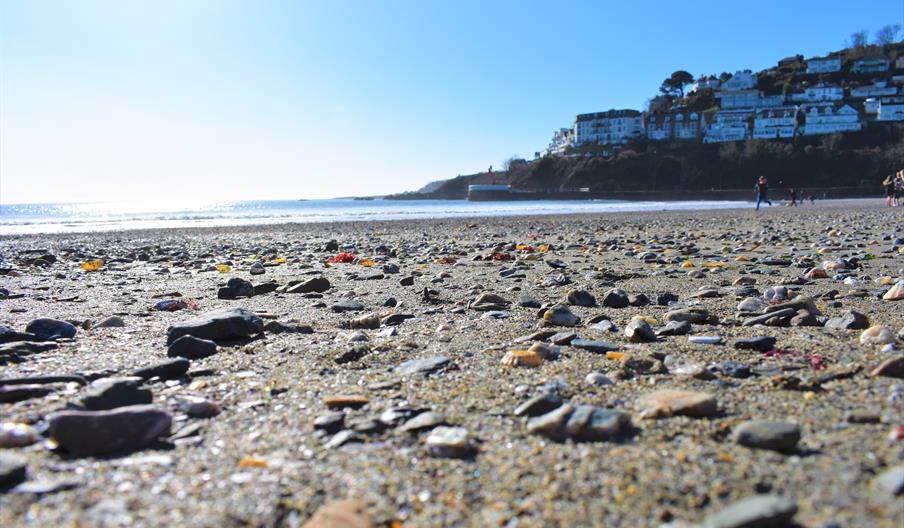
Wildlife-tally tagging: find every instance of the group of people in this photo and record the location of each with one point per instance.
(894, 189)
(762, 194)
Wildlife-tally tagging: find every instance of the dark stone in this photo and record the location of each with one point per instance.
(616, 298)
(664, 299)
(758, 511)
(331, 423)
(17, 393)
(595, 346)
(538, 405)
(45, 329)
(26, 348)
(733, 369)
(331, 246)
(110, 393)
(313, 285)
(759, 343)
(236, 287)
(172, 369)
(423, 366)
(275, 327)
(352, 354)
(265, 288)
(87, 433)
(675, 328)
(347, 305)
(580, 298)
(562, 338)
(12, 470)
(191, 347)
(528, 302)
(763, 434)
(220, 325)
(396, 319)
(638, 300)
(9, 334)
(407, 281)
(850, 321)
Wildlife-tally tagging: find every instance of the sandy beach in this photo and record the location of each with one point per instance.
(482, 372)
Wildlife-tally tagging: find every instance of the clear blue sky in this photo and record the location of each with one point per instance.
(124, 100)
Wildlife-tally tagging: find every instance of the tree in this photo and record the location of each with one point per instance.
(888, 34)
(676, 82)
(513, 162)
(859, 39)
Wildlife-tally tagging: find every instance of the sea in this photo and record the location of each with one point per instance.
(117, 216)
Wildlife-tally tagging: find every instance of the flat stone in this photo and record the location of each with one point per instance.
(560, 315)
(763, 434)
(342, 401)
(174, 368)
(111, 322)
(331, 422)
(759, 511)
(17, 393)
(191, 347)
(347, 305)
(46, 328)
(759, 343)
(851, 320)
(538, 405)
(449, 442)
(595, 346)
(219, 325)
(422, 422)
(110, 393)
(87, 433)
(314, 285)
(675, 328)
(765, 318)
(691, 315)
(678, 402)
(664, 299)
(423, 366)
(890, 482)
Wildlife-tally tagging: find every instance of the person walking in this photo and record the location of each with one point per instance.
(762, 190)
(889, 184)
(793, 197)
(898, 196)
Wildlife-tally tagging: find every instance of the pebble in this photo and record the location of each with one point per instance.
(449, 442)
(892, 367)
(580, 298)
(752, 304)
(422, 422)
(219, 325)
(88, 433)
(351, 513)
(690, 315)
(763, 434)
(598, 379)
(110, 393)
(198, 407)
(849, 321)
(639, 331)
(45, 329)
(174, 368)
(759, 343)
(616, 298)
(546, 351)
(560, 315)
(341, 401)
(675, 328)
(896, 292)
(890, 482)
(314, 285)
(671, 402)
(539, 405)
(111, 322)
(423, 366)
(599, 347)
(331, 423)
(235, 288)
(665, 299)
(580, 423)
(705, 339)
(17, 435)
(13, 470)
(347, 305)
(758, 511)
(191, 347)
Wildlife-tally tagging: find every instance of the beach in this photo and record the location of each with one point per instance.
(418, 378)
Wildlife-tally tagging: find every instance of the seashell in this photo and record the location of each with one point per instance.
(896, 292)
(545, 350)
(817, 273)
(449, 442)
(522, 358)
(877, 335)
(560, 315)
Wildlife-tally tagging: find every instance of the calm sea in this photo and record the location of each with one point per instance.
(63, 218)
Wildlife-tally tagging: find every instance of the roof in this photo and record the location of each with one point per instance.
(609, 114)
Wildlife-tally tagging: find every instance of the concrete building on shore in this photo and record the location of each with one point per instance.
(614, 127)
(877, 89)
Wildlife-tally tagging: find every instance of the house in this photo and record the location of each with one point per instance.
(874, 65)
(613, 127)
(820, 92)
(827, 118)
(899, 63)
(707, 83)
(686, 125)
(742, 80)
(766, 101)
(824, 65)
(774, 123)
(728, 125)
(561, 140)
(658, 126)
(871, 107)
(739, 98)
(891, 109)
(879, 89)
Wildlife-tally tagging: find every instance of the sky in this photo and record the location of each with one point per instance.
(119, 100)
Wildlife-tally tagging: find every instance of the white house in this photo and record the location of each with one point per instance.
(739, 98)
(879, 89)
(824, 65)
(820, 92)
(766, 101)
(826, 118)
(728, 125)
(871, 107)
(709, 83)
(876, 65)
(658, 126)
(742, 80)
(772, 123)
(561, 140)
(607, 128)
(891, 109)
